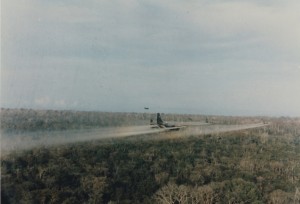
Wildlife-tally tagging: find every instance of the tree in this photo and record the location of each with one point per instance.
(280, 197)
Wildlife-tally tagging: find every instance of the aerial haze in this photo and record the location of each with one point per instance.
(202, 57)
(26, 140)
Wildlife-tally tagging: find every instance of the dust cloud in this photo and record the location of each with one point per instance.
(27, 140)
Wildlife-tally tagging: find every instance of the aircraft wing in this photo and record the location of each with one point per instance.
(174, 128)
(190, 123)
(166, 128)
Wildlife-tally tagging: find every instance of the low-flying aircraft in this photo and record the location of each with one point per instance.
(162, 124)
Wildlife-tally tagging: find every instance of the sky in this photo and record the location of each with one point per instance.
(229, 57)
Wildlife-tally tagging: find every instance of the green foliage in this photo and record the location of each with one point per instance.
(251, 166)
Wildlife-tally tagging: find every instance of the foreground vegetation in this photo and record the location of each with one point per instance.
(252, 166)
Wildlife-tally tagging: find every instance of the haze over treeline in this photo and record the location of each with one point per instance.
(32, 120)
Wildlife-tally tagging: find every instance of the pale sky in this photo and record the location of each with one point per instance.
(214, 57)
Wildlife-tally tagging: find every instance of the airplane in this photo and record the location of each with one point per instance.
(162, 124)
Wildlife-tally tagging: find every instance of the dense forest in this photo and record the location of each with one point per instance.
(259, 165)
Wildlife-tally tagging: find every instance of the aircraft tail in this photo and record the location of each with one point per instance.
(159, 120)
